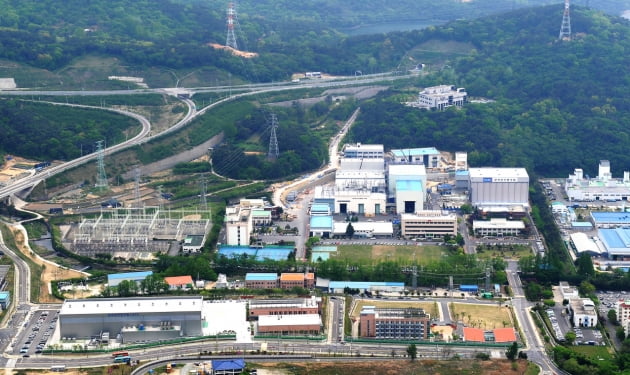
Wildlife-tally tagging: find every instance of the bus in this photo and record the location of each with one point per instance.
(58, 368)
(120, 354)
(122, 359)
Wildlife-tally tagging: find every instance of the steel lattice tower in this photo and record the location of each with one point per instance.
(273, 139)
(137, 202)
(231, 21)
(203, 187)
(565, 28)
(101, 177)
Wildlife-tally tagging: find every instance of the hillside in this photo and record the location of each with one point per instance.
(558, 105)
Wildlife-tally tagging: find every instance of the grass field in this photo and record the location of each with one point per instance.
(378, 253)
(595, 352)
(429, 307)
(482, 316)
(514, 251)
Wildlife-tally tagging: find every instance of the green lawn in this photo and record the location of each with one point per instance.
(505, 251)
(595, 352)
(379, 253)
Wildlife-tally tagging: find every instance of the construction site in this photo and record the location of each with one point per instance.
(138, 233)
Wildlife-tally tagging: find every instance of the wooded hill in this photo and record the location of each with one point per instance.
(558, 105)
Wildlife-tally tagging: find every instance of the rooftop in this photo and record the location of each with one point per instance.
(408, 185)
(321, 222)
(498, 172)
(261, 276)
(473, 334)
(504, 335)
(129, 275)
(292, 277)
(179, 280)
(289, 320)
(401, 153)
(193, 240)
(130, 305)
(611, 217)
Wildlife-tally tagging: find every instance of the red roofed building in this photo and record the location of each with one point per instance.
(179, 282)
(473, 334)
(504, 335)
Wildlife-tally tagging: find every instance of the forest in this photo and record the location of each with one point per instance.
(555, 105)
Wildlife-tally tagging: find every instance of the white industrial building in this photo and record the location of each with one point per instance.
(365, 229)
(360, 151)
(441, 97)
(583, 312)
(409, 196)
(581, 243)
(129, 320)
(428, 156)
(407, 172)
(504, 187)
(428, 224)
(241, 220)
(498, 227)
(602, 188)
(567, 291)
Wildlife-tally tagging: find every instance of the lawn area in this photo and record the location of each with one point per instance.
(429, 307)
(505, 251)
(481, 316)
(366, 254)
(595, 352)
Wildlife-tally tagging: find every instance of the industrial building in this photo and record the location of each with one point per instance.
(242, 219)
(428, 224)
(427, 156)
(135, 232)
(360, 151)
(321, 226)
(296, 279)
(616, 242)
(362, 286)
(581, 243)
(583, 312)
(441, 97)
(289, 306)
(406, 185)
(289, 325)
(261, 280)
(498, 227)
(610, 219)
(193, 243)
(5, 299)
(394, 323)
(129, 320)
(581, 188)
(136, 277)
(365, 229)
(499, 187)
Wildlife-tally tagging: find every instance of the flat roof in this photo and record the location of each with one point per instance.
(261, 276)
(408, 185)
(498, 223)
(407, 169)
(375, 227)
(261, 212)
(363, 284)
(129, 275)
(498, 172)
(401, 153)
(5, 294)
(473, 334)
(611, 217)
(504, 335)
(581, 224)
(289, 320)
(193, 240)
(320, 207)
(322, 222)
(292, 277)
(130, 305)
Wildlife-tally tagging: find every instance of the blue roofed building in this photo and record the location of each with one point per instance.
(137, 277)
(616, 242)
(227, 366)
(610, 219)
(5, 299)
(321, 209)
(409, 196)
(261, 280)
(429, 156)
(321, 226)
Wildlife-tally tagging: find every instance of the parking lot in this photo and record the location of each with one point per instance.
(561, 325)
(36, 333)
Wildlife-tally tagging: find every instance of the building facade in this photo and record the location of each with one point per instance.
(261, 280)
(289, 325)
(503, 187)
(394, 323)
(498, 227)
(428, 224)
(583, 312)
(441, 97)
(289, 306)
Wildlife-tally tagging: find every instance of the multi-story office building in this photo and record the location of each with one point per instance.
(394, 323)
(428, 224)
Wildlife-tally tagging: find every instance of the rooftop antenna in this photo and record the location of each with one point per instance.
(231, 20)
(565, 28)
(101, 177)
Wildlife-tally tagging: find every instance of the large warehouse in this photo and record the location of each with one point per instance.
(129, 320)
(504, 187)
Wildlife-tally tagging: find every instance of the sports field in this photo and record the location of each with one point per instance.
(366, 254)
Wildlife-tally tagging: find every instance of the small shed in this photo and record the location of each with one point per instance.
(228, 366)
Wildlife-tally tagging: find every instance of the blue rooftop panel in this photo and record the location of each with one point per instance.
(129, 275)
(408, 185)
(320, 207)
(415, 152)
(322, 222)
(261, 277)
(611, 217)
(581, 224)
(228, 364)
(362, 284)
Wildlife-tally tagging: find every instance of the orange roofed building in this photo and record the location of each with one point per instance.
(473, 334)
(179, 282)
(302, 280)
(504, 335)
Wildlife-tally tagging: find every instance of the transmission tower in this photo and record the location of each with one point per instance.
(137, 203)
(565, 28)
(203, 202)
(101, 177)
(273, 139)
(231, 20)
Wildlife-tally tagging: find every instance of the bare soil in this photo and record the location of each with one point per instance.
(235, 52)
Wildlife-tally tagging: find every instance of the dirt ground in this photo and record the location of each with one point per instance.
(418, 367)
(50, 271)
(247, 55)
(8, 170)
